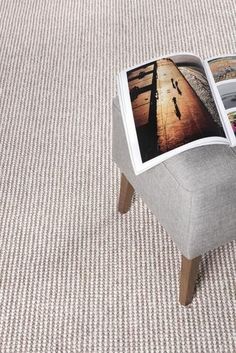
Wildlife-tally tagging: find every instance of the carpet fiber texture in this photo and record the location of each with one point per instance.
(75, 276)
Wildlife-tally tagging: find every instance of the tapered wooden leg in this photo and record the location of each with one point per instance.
(188, 276)
(126, 193)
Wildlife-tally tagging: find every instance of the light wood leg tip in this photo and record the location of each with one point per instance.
(185, 301)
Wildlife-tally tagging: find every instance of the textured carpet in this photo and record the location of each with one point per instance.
(75, 276)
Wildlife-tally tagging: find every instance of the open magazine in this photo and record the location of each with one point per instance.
(175, 103)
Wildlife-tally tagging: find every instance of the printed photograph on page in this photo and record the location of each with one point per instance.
(227, 91)
(172, 104)
(223, 68)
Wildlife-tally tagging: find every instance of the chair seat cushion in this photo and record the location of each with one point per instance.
(192, 194)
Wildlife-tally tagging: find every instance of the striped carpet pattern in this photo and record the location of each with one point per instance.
(75, 276)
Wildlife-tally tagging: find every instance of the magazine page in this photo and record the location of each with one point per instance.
(167, 107)
(221, 72)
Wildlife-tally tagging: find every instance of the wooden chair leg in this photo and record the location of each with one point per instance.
(126, 193)
(188, 276)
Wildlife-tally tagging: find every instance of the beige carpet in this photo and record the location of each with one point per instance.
(76, 276)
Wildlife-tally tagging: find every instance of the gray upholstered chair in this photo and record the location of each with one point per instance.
(192, 194)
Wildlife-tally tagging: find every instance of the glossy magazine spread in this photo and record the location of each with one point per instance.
(173, 103)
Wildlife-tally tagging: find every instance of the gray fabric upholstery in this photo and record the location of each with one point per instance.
(193, 194)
